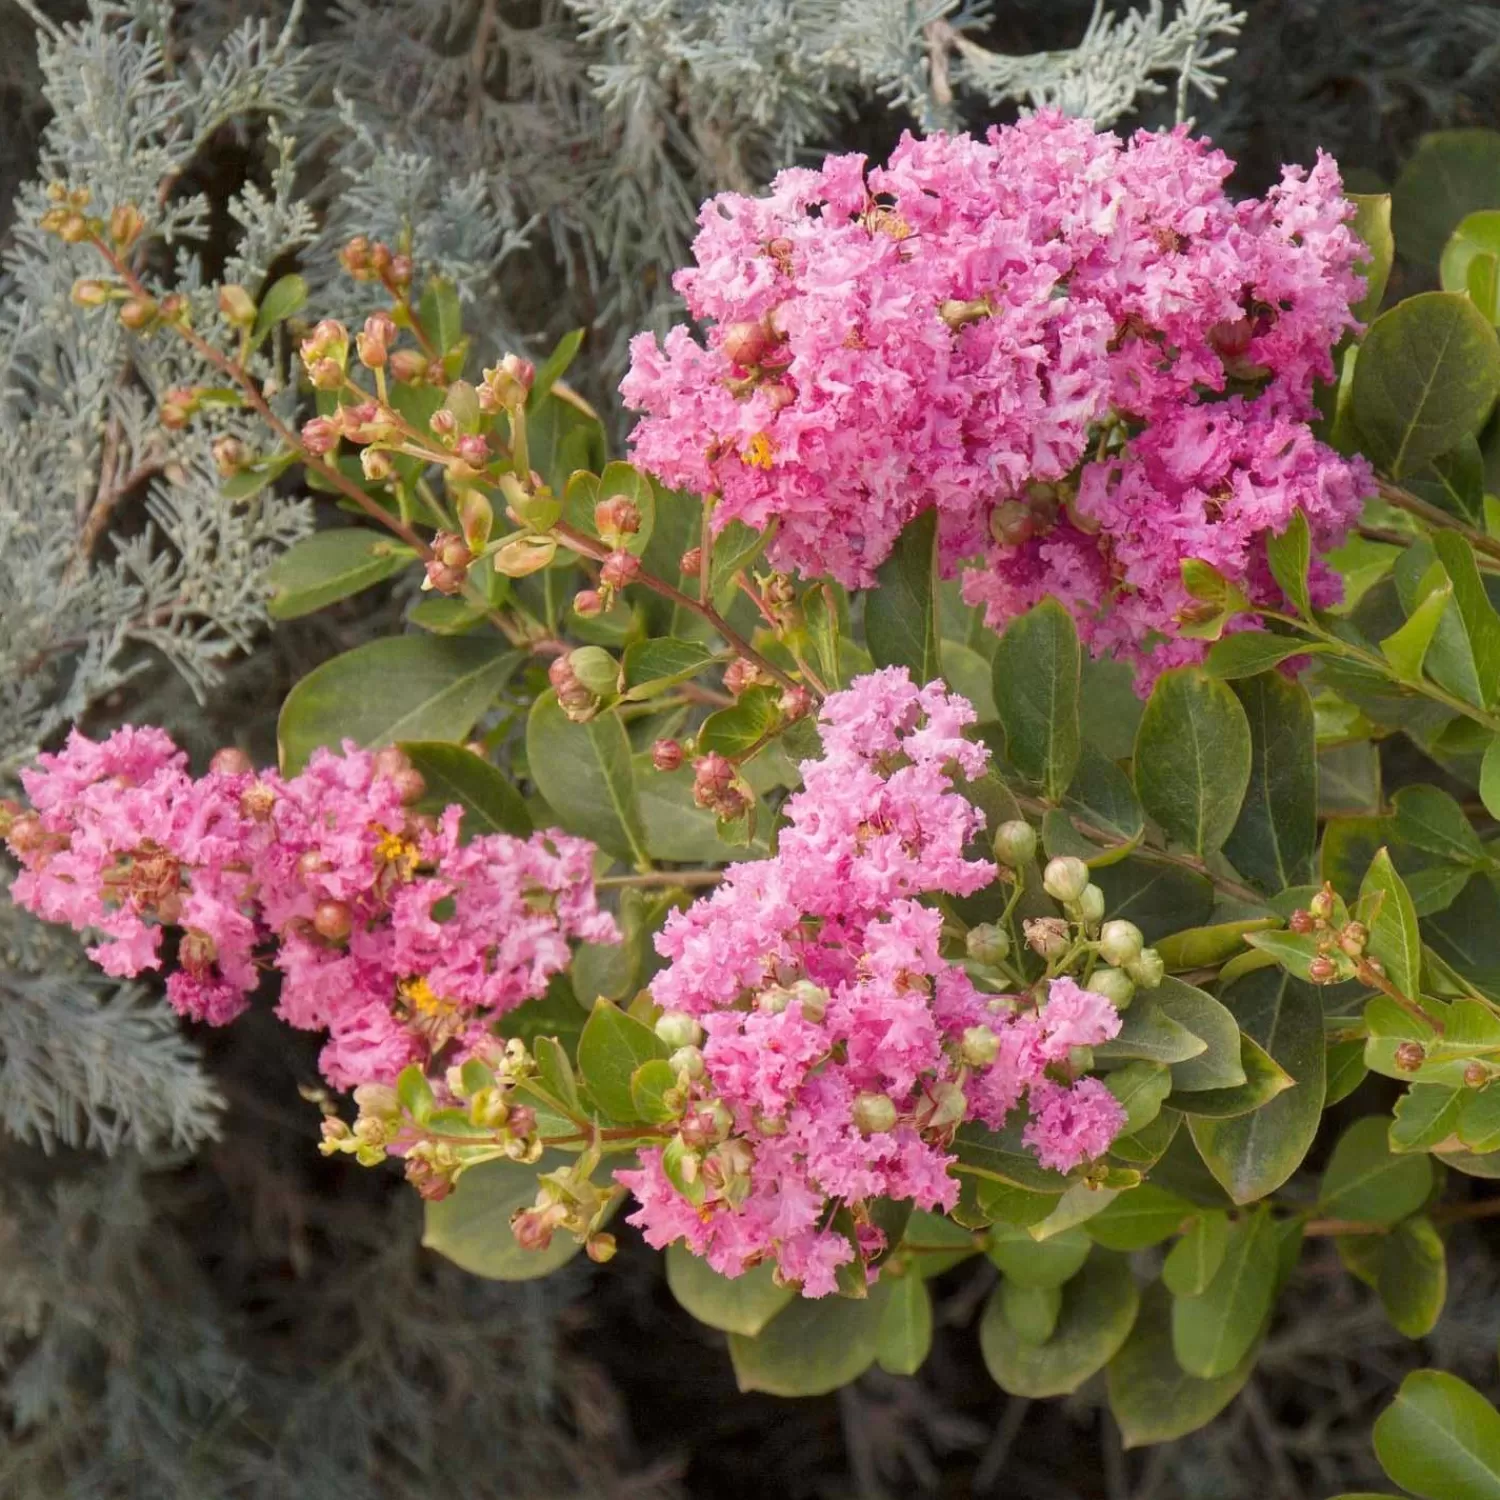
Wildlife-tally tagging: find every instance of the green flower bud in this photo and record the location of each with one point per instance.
(678, 1029)
(1148, 969)
(774, 1000)
(1120, 942)
(687, 1060)
(1091, 905)
(812, 998)
(596, 669)
(379, 1100)
(873, 1113)
(1015, 843)
(1114, 984)
(1065, 878)
(980, 1046)
(989, 943)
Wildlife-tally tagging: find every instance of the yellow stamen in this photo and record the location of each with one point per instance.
(758, 452)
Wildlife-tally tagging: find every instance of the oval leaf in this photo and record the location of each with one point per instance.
(900, 612)
(1037, 672)
(741, 1304)
(455, 774)
(471, 1226)
(1440, 1439)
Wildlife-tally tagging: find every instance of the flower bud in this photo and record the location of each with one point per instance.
(1120, 943)
(1046, 936)
(411, 786)
(746, 343)
(229, 455)
(407, 365)
(89, 293)
(1114, 984)
(389, 760)
(400, 271)
(1012, 523)
(126, 223)
(615, 519)
(873, 1113)
(666, 755)
(678, 1029)
(378, 1100)
(376, 465)
(812, 999)
(1148, 970)
(474, 449)
(1476, 1075)
(1301, 922)
(1321, 905)
(1322, 970)
(443, 422)
(600, 1247)
(355, 258)
(795, 703)
(620, 568)
(1015, 843)
(1410, 1056)
(198, 952)
(1065, 878)
(137, 313)
(320, 435)
(988, 943)
(1353, 938)
(691, 561)
(980, 1046)
(237, 306)
(230, 761)
(1091, 905)
(333, 920)
(687, 1060)
(596, 669)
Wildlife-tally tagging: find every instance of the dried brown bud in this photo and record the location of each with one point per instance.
(229, 455)
(390, 761)
(1410, 1056)
(1476, 1075)
(692, 561)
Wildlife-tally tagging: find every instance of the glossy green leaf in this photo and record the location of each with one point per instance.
(1193, 758)
(555, 366)
(471, 1226)
(285, 296)
(1031, 1311)
(1159, 898)
(1000, 1154)
(1194, 1260)
(735, 731)
(1386, 907)
(1440, 1439)
(586, 774)
(1475, 235)
(649, 1085)
(1207, 947)
(1032, 1262)
(328, 566)
(1144, 1216)
(1454, 482)
(1489, 778)
(1428, 374)
(743, 1304)
(1099, 1307)
(653, 666)
(1475, 637)
(613, 1046)
(1426, 1116)
(1141, 1088)
(555, 1069)
(1218, 1065)
(455, 774)
(1365, 1181)
(1153, 1399)
(901, 611)
(1406, 648)
(811, 1347)
(1273, 841)
(1413, 1277)
(1037, 675)
(1150, 1032)
(1265, 1078)
(440, 315)
(1253, 1154)
(1214, 1331)
(1289, 554)
(1346, 1070)
(934, 1243)
(406, 687)
(905, 1335)
(1430, 819)
(1451, 174)
(1250, 652)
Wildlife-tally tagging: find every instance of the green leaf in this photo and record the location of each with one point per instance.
(1489, 778)
(586, 774)
(1037, 674)
(1213, 1332)
(1206, 947)
(1032, 1262)
(905, 1335)
(1467, 935)
(1099, 1308)
(1386, 907)
(1031, 1311)
(406, 687)
(935, 1243)
(1428, 374)
(1273, 841)
(1289, 553)
(1150, 1032)
(900, 612)
(328, 566)
(1144, 1216)
(1102, 796)
(1265, 1078)
(1430, 819)
(1153, 1399)
(1372, 223)
(555, 1069)
(745, 1304)
(471, 1226)
(285, 296)
(455, 774)
(1158, 898)
(1218, 1065)
(1440, 1439)
(1454, 482)
(733, 731)
(1366, 1182)
(735, 548)
(555, 366)
(1450, 175)
(648, 1086)
(1479, 1120)
(653, 666)
(999, 1154)
(440, 315)
(1476, 640)
(1141, 1088)
(1413, 1277)
(1406, 649)
(1250, 652)
(1195, 1259)
(1193, 758)
(811, 1347)
(613, 1045)
(1253, 1154)
(1346, 1070)
(1426, 1116)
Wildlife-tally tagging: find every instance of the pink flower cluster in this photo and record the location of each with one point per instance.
(389, 932)
(1035, 335)
(841, 1050)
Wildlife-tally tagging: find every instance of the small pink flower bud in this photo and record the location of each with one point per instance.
(1410, 1056)
(615, 519)
(230, 761)
(411, 785)
(588, 603)
(333, 920)
(443, 422)
(407, 365)
(401, 270)
(355, 258)
(325, 374)
(746, 343)
(1322, 970)
(320, 435)
(691, 562)
(474, 449)
(620, 568)
(390, 761)
(666, 755)
(795, 703)
(560, 673)
(374, 341)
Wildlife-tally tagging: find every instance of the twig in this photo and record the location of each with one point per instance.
(1402, 499)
